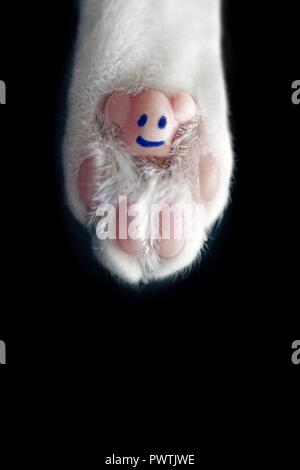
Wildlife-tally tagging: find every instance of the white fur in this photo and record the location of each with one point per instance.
(130, 45)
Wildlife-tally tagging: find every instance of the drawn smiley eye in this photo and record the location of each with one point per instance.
(162, 122)
(143, 119)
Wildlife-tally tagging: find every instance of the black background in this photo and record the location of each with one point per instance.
(186, 365)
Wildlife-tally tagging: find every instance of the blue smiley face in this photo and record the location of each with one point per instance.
(162, 122)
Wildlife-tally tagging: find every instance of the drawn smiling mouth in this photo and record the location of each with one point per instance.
(149, 143)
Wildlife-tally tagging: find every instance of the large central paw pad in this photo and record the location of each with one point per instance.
(148, 122)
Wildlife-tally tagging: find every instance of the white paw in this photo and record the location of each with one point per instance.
(147, 151)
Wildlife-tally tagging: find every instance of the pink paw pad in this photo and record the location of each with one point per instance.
(128, 239)
(86, 181)
(171, 233)
(148, 122)
(208, 178)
